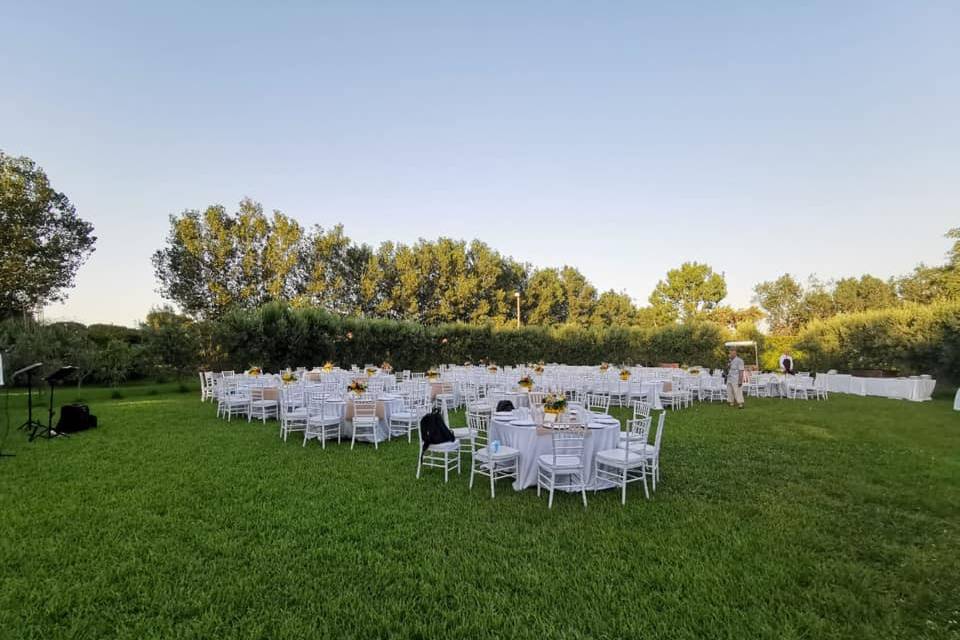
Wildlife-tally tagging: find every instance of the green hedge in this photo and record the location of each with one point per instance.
(277, 336)
(912, 339)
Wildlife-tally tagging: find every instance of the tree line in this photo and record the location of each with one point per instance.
(215, 261)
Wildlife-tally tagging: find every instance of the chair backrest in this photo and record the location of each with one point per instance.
(537, 398)
(659, 435)
(598, 401)
(639, 431)
(568, 441)
(478, 423)
(364, 408)
(641, 409)
(317, 404)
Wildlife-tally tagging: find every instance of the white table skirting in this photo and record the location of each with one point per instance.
(390, 405)
(913, 389)
(956, 401)
(531, 446)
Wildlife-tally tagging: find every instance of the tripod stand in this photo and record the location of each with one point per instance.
(6, 412)
(31, 424)
(48, 431)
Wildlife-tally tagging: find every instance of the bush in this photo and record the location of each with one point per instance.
(912, 339)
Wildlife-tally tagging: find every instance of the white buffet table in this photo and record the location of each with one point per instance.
(913, 389)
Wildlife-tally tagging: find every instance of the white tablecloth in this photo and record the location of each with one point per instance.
(651, 392)
(914, 389)
(531, 445)
(385, 406)
(956, 401)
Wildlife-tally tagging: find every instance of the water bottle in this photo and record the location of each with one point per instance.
(496, 446)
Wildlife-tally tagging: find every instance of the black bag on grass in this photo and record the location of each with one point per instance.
(434, 431)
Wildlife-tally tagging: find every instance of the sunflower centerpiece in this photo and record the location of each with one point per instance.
(624, 373)
(357, 387)
(328, 366)
(288, 377)
(538, 368)
(386, 367)
(553, 406)
(526, 382)
(492, 368)
(603, 367)
(254, 371)
(432, 374)
(371, 371)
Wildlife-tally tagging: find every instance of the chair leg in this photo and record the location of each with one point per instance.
(492, 474)
(446, 468)
(623, 495)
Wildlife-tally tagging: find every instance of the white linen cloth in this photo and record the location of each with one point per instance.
(651, 390)
(913, 389)
(389, 403)
(956, 401)
(531, 445)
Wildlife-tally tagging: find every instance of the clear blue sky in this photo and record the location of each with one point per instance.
(622, 138)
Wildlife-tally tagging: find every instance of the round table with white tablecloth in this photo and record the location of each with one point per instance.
(533, 442)
(517, 398)
(651, 392)
(386, 405)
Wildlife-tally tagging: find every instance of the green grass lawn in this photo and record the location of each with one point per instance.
(837, 519)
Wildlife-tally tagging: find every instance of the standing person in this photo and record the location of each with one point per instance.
(735, 379)
(786, 363)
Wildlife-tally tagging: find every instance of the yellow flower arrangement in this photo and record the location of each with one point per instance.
(432, 375)
(554, 404)
(254, 370)
(492, 368)
(538, 368)
(525, 382)
(288, 377)
(386, 367)
(328, 366)
(358, 387)
(604, 366)
(624, 374)
(370, 372)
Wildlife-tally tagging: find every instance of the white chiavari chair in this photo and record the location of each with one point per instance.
(627, 463)
(495, 462)
(565, 467)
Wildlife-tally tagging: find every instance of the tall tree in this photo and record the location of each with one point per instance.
(733, 318)
(613, 309)
(214, 260)
(42, 239)
(780, 300)
(544, 301)
(689, 290)
(852, 295)
(580, 294)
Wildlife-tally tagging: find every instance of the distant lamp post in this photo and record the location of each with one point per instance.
(517, 296)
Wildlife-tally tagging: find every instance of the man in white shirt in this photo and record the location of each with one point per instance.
(735, 379)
